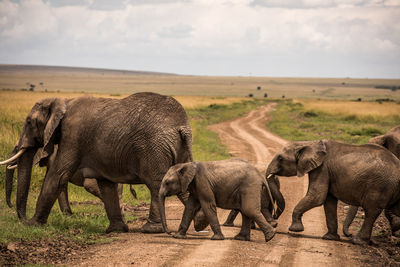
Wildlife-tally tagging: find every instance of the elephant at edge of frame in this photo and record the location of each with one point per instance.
(360, 175)
(390, 141)
(227, 184)
(133, 140)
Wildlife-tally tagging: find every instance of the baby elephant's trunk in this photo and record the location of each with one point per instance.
(274, 186)
(161, 198)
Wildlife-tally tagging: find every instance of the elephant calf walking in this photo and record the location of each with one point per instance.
(228, 184)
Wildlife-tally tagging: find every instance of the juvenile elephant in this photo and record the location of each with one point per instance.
(366, 175)
(228, 184)
(90, 184)
(133, 140)
(390, 141)
(272, 181)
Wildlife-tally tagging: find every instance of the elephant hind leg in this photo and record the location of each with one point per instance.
(330, 208)
(153, 224)
(394, 221)
(351, 214)
(254, 213)
(63, 201)
(244, 233)
(231, 218)
(364, 235)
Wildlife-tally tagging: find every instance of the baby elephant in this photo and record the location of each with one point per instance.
(227, 184)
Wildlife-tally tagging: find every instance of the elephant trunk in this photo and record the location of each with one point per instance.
(9, 185)
(24, 180)
(278, 197)
(161, 198)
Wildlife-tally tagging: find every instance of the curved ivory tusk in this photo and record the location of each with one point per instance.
(269, 176)
(13, 157)
(12, 167)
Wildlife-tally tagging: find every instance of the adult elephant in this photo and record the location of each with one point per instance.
(366, 175)
(90, 184)
(133, 140)
(390, 141)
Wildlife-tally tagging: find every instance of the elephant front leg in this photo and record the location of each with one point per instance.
(109, 193)
(210, 210)
(244, 233)
(231, 218)
(191, 207)
(363, 237)
(351, 214)
(200, 220)
(316, 195)
(330, 208)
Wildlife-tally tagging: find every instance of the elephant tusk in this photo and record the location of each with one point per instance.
(12, 167)
(13, 157)
(269, 176)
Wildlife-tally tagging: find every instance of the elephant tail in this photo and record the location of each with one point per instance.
(187, 140)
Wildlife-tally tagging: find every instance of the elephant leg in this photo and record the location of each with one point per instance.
(231, 218)
(110, 195)
(316, 195)
(268, 216)
(200, 220)
(63, 201)
(330, 208)
(351, 214)
(52, 185)
(244, 233)
(192, 206)
(394, 222)
(120, 190)
(210, 210)
(363, 237)
(153, 224)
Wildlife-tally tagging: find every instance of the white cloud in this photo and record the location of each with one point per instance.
(297, 37)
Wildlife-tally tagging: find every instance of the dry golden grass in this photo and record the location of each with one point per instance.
(353, 108)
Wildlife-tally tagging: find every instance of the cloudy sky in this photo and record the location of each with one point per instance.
(302, 38)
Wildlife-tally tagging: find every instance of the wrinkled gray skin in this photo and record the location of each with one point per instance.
(89, 184)
(366, 175)
(133, 140)
(228, 184)
(390, 141)
(274, 180)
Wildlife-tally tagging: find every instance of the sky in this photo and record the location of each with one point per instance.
(278, 38)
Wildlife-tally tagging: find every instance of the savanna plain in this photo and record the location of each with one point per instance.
(348, 110)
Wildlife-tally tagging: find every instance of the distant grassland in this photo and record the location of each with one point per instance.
(350, 122)
(125, 82)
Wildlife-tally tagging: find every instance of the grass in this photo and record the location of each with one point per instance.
(343, 121)
(89, 221)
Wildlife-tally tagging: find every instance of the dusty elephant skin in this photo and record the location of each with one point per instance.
(90, 184)
(227, 184)
(133, 140)
(390, 141)
(365, 175)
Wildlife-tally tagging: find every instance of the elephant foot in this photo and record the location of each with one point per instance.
(273, 223)
(331, 236)
(67, 212)
(179, 236)
(296, 227)
(357, 240)
(228, 224)
(117, 227)
(218, 237)
(242, 237)
(152, 228)
(200, 221)
(269, 235)
(347, 233)
(33, 222)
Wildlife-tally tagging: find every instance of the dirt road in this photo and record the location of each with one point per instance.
(247, 138)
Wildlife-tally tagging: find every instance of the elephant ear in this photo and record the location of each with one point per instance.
(310, 156)
(57, 111)
(186, 175)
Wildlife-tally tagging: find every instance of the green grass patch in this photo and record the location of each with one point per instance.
(293, 122)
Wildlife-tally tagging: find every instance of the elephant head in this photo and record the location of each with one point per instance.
(175, 181)
(39, 135)
(298, 158)
(390, 140)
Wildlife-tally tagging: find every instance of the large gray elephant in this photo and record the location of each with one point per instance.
(390, 141)
(133, 140)
(90, 184)
(228, 184)
(365, 175)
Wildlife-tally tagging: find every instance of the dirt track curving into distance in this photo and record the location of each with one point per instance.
(245, 137)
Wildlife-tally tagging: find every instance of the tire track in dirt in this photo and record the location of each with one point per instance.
(245, 137)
